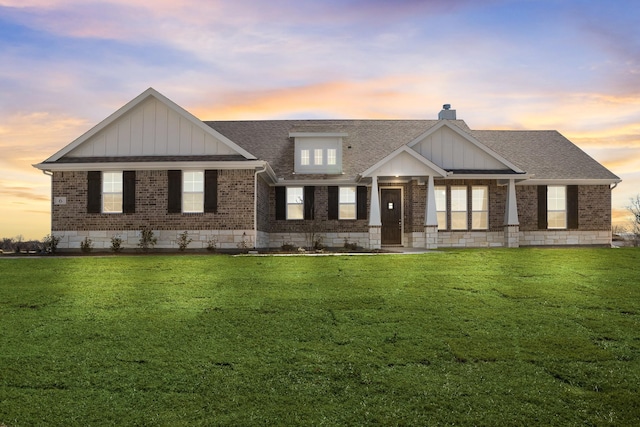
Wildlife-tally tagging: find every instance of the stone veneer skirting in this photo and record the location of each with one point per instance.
(247, 239)
(101, 240)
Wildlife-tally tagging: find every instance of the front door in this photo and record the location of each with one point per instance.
(391, 216)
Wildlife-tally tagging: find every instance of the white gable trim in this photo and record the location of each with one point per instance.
(404, 149)
(139, 100)
(469, 138)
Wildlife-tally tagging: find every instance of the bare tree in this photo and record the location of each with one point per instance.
(634, 209)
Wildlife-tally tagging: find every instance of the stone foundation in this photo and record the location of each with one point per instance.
(511, 236)
(201, 239)
(565, 237)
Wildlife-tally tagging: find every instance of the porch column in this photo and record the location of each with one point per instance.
(375, 223)
(431, 217)
(511, 223)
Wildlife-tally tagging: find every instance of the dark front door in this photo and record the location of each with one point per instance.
(391, 216)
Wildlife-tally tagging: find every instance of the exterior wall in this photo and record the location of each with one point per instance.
(232, 227)
(263, 204)
(321, 223)
(594, 207)
(527, 201)
(234, 217)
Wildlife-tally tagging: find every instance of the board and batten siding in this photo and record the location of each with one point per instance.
(151, 129)
(449, 150)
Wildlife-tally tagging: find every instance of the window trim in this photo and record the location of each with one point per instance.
(105, 193)
(185, 192)
(551, 211)
(476, 211)
(459, 211)
(298, 202)
(342, 203)
(444, 210)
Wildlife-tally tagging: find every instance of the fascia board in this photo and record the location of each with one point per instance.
(518, 176)
(318, 134)
(132, 104)
(404, 149)
(64, 167)
(469, 138)
(569, 181)
(319, 182)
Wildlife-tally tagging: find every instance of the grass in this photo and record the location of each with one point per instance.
(470, 337)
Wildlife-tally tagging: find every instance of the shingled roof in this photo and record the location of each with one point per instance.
(545, 154)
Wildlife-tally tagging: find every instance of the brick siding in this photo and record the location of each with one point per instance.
(235, 205)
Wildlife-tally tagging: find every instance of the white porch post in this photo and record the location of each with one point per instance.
(431, 217)
(375, 223)
(511, 223)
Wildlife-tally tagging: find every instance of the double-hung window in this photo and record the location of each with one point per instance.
(459, 207)
(557, 206)
(112, 192)
(441, 206)
(347, 203)
(295, 202)
(479, 207)
(193, 192)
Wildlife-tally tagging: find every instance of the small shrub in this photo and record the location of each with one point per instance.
(86, 245)
(147, 239)
(183, 241)
(212, 244)
(350, 246)
(116, 244)
(244, 244)
(288, 247)
(50, 243)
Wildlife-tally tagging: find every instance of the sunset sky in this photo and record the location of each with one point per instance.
(65, 65)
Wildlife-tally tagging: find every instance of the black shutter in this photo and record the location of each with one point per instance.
(211, 191)
(94, 192)
(572, 207)
(361, 206)
(129, 191)
(309, 193)
(333, 202)
(281, 202)
(542, 207)
(174, 187)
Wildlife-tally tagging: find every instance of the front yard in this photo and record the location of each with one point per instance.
(469, 337)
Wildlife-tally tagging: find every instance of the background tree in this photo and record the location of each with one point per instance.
(634, 209)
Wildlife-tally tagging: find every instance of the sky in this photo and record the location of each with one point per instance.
(65, 65)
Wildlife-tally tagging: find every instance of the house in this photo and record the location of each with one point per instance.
(374, 183)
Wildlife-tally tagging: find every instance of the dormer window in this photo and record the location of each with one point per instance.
(318, 152)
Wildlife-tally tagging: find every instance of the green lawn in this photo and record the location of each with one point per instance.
(469, 337)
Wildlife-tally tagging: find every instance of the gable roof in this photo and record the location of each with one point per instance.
(366, 141)
(209, 135)
(546, 154)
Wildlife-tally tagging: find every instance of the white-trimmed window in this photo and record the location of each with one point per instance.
(479, 207)
(112, 192)
(441, 206)
(295, 202)
(304, 157)
(318, 158)
(193, 191)
(332, 158)
(459, 207)
(556, 207)
(347, 203)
